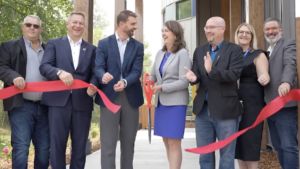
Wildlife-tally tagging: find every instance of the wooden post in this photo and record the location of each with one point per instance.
(256, 18)
(139, 9)
(86, 6)
(235, 14)
(225, 13)
(120, 5)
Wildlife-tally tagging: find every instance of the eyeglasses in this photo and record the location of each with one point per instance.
(244, 32)
(29, 25)
(211, 27)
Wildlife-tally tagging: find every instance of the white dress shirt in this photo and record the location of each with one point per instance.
(122, 46)
(75, 48)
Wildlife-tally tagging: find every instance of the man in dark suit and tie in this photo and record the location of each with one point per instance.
(66, 59)
(283, 126)
(118, 67)
(217, 66)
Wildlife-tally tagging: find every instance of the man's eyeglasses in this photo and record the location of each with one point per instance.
(35, 26)
(211, 27)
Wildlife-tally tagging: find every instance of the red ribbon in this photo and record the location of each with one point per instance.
(270, 109)
(50, 86)
(148, 85)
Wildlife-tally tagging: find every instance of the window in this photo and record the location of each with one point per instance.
(169, 12)
(183, 9)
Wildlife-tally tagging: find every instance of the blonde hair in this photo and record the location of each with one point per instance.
(253, 42)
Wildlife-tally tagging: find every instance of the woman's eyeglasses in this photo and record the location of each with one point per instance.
(244, 33)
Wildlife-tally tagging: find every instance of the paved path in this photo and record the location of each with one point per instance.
(152, 156)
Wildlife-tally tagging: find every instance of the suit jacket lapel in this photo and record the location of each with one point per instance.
(23, 48)
(169, 60)
(68, 52)
(115, 50)
(276, 47)
(220, 51)
(24, 54)
(127, 53)
(159, 60)
(82, 53)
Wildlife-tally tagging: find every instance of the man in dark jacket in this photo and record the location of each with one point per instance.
(68, 58)
(19, 63)
(217, 66)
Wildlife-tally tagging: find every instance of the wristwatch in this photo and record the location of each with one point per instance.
(59, 72)
(125, 82)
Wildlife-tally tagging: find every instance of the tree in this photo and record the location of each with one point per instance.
(52, 13)
(99, 21)
(147, 65)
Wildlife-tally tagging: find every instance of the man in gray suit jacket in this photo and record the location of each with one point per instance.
(282, 67)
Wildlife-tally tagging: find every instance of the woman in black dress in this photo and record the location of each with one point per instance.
(254, 76)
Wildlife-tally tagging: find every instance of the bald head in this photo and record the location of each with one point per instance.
(218, 21)
(214, 30)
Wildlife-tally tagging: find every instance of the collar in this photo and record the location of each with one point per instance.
(217, 48)
(118, 38)
(29, 43)
(72, 42)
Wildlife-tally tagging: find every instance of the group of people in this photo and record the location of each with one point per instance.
(47, 119)
(234, 80)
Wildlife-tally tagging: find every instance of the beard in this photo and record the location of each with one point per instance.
(273, 39)
(130, 33)
(211, 40)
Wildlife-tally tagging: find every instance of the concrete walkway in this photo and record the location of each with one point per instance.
(152, 156)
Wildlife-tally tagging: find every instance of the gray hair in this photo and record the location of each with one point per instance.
(273, 20)
(34, 17)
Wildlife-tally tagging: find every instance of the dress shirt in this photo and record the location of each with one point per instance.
(122, 47)
(34, 57)
(75, 48)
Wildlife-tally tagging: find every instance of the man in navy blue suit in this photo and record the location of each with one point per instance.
(66, 59)
(118, 67)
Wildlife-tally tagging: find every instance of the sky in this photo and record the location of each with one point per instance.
(152, 21)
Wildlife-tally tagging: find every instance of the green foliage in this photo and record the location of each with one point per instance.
(97, 35)
(147, 65)
(99, 22)
(5, 144)
(94, 130)
(52, 12)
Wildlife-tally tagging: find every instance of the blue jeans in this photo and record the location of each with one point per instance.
(283, 128)
(208, 130)
(29, 123)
